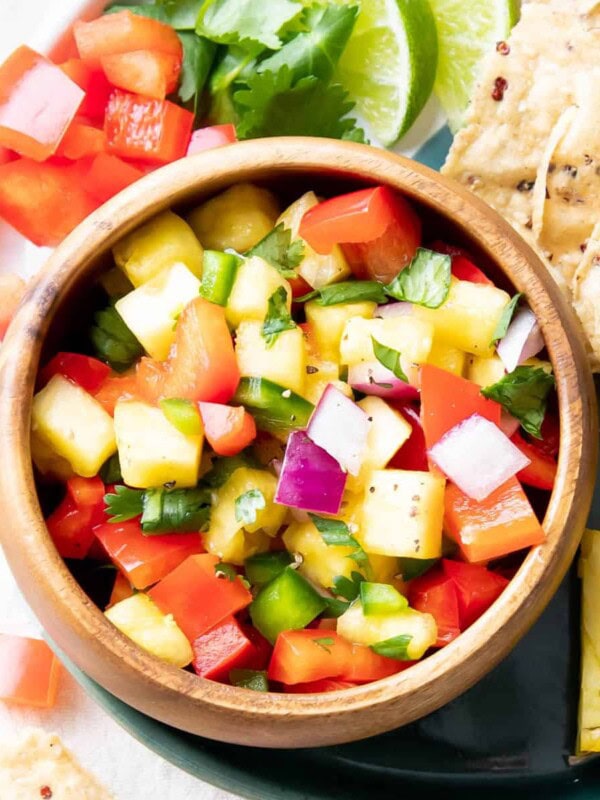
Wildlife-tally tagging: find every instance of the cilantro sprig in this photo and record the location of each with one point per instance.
(160, 510)
(278, 317)
(389, 358)
(425, 281)
(278, 250)
(248, 505)
(335, 532)
(524, 394)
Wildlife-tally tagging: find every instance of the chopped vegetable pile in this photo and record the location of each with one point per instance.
(308, 443)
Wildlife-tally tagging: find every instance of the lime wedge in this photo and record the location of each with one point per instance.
(467, 29)
(389, 65)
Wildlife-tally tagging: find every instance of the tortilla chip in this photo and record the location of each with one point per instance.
(586, 292)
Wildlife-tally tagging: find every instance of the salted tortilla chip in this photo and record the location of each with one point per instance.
(37, 764)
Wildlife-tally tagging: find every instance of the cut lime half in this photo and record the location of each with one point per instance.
(389, 65)
(467, 30)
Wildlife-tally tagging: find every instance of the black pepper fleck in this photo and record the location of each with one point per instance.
(311, 370)
(369, 419)
(525, 186)
(583, 247)
(372, 489)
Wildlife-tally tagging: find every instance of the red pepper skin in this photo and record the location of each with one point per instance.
(221, 649)
(228, 429)
(37, 104)
(261, 649)
(435, 593)
(413, 453)
(30, 671)
(108, 175)
(87, 372)
(302, 656)
(146, 72)
(462, 266)
(476, 587)
(210, 137)
(113, 388)
(81, 140)
(93, 82)
(71, 525)
(541, 472)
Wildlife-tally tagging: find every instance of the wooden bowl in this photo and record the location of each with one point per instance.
(236, 715)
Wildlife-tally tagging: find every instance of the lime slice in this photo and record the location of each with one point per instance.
(467, 29)
(389, 65)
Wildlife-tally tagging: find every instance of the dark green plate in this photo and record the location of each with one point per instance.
(513, 732)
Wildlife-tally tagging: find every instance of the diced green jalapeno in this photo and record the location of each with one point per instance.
(287, 603)
(249, 679)
(218, 275)
(263, 567)
(381, 598)
(183, 415)
(275, 409)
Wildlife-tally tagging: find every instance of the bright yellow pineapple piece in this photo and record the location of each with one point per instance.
(254, 284)
(328, 323)
(410, 336)
(283, 361)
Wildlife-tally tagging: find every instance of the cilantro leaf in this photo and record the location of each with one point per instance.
(396, 647)
(426, 280)
(223, 469)
(346, 292)
(272, 105)
(232, 65)
(325, 642)
(252, 679)
(112, 340)
(198, 57)
(278, 250)
(523, 393)
(181, 14)
(278, 317)
(411, 568)
(110, 471)
(151, 11)
(346, 587)
(317, 50)
(336, 533)
(389, 358)
(124, 504)
(250, 24)
(505, 319)
(247, 505)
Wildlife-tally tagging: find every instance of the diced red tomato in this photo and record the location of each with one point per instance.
(121, 590)
(81, 140)
(364, 665)
(44, 202)
(379, 231)
(123, 33)
(71, 524)
(108, 175)
(197, 598)
(491, 528)
(113, 388)
(30, 671)
(150, 130)
(85, 371)
(541, 472)
(318, 687)
(203, 365)
(93, 82)
(435, 593)
(413, 453)
(221, 649)
(462, 266)
(476, 588)
(12, 289)
(145, 560)
(447, 399)
(212, 136)
(228, 429)
(308, 655)
(261, 649)
(37, 103)
(146, 72)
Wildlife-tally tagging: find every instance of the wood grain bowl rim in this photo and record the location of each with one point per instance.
(235, 715)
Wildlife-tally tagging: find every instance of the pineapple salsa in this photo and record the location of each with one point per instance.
(306, 445)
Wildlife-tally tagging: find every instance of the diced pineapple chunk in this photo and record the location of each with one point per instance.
(254, 284)
(412, 337)
(402, 515)
(484, 370)
(388, 430)
(469, 316)
(73, 425)
(151, 311)
(540, 363)
(238, 217)
(385, 569)
(48, 462)
(317, 270)
(228, 537)
(141, 619)
(360, 629)
(446, 357)
(328, 323)
(321, 562)
(283, 362)
(319, 374)
(151, 450)
(163, 241)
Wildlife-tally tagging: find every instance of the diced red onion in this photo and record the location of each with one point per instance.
(373, 378)
(341, 428)
(477, 456)
(394, 310)
(310, 479)
(509, 425)
(522, 341)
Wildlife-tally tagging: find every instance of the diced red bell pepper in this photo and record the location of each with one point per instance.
(413, 453)
(204, 366)
(447, 399)
(44, 202)
(476, 588)
(123, 33)
(113, 389)
(37, 103)
(299, 286)
(197, 598)
(491, 528)
(379, 231)
(85, 371)
(108, 175)
(146, 72)
(7, 155)
(121, 590)
(541, 471)
(71, 525)
(30, 671)
(12, 289)
(221, 649)
(210, 137)
(150, 379)
(319, 687)
(364, 665)
(93, 82)
(150, 130)
(308, 655)
(80, 141)
(435, 593)
(145, 560)
(462, 266)
(228, 429)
